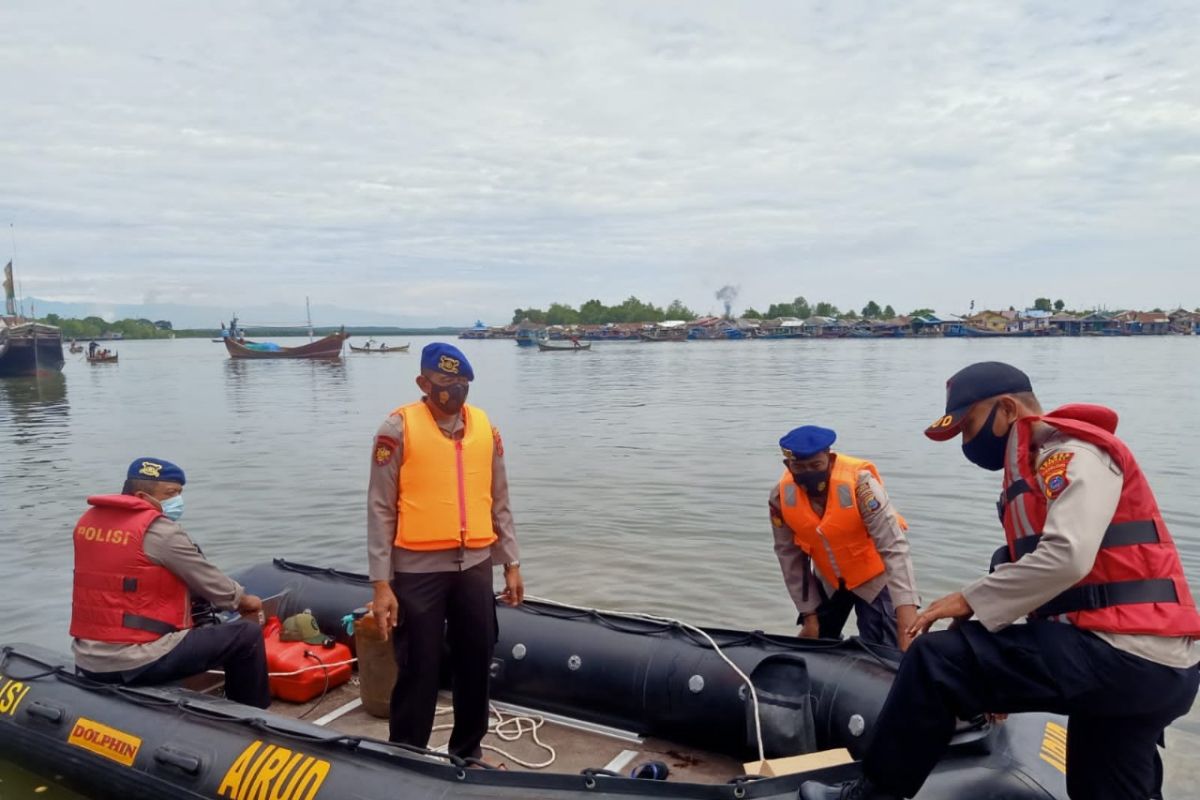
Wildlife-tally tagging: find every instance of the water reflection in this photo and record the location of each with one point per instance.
(35, 408)
(47, 388)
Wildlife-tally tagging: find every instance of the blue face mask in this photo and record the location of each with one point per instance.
(172, 508)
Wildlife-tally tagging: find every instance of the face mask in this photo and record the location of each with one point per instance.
(172, 508)
(813, 482)
(448, 399)
(987, 449)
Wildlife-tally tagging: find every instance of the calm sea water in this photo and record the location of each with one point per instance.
(639, 472)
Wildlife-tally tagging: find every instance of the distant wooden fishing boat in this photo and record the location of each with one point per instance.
(383, 348)
(664, 335)
(103, 357)
(75, 348)
(328, 347)
(27, 347)
(559, 346)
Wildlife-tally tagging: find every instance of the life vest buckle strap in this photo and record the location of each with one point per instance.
(1119, 534)
(1094, 596)
(1015, 489)
(1138, 531)
(140, 623)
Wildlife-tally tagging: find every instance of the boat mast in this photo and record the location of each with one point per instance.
(308, 310)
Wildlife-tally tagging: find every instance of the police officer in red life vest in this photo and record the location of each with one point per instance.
(438, 519)
(1090, 563)
(136, 571)
(830, 511)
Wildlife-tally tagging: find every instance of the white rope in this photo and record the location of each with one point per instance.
(330, 665)
(637, 615)
(510, 729)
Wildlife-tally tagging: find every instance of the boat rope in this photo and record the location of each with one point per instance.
(509, 729)
(296, 671)
(638, 615)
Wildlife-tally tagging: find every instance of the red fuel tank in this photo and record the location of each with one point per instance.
(298, 670)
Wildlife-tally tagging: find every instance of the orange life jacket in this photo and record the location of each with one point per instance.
(837, 542)
(1136, 584)
(119, 595)
(445, 484)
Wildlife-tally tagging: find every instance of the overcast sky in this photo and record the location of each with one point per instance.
(453, 160)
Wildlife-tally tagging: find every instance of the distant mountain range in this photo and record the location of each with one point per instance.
(185, 316)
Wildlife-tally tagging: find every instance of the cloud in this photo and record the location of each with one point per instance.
(464, 159)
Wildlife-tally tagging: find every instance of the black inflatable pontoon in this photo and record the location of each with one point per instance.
(653, 678)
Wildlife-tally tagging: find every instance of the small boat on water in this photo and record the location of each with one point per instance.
(102, 357)
(383, 348)
(605, 689)
(75, 347)
(560, 346)
(329, 347)
(27, 347)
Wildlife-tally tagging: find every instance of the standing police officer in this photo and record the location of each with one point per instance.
(437, 520)
(830, 510)
(136, 571)
(1090, 563)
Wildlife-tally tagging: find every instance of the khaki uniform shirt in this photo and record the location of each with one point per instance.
(1076, 521)
(885, 530)
(383, 495)
(168, 545)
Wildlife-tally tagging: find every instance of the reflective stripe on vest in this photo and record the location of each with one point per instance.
(1136, 584)
(445, 485)
(119, 595)
(837, 542)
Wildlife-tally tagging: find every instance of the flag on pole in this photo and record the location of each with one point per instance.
(10, 297)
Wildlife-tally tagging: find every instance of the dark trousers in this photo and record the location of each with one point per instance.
(436, 609)
(237, 647)
(876, 620)
(1117, 704)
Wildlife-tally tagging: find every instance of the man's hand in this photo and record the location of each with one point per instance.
(514, 587)
(385, 609)
(251, 606)
(811, 629)
(905, 617)
(952, 606)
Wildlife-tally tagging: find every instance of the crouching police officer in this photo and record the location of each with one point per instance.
(830, 510)
(136, 571)
(1090, 563)
(438, 519)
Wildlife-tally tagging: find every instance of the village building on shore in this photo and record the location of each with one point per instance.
(983, 324)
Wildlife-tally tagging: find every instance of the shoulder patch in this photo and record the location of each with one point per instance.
(1053, 473)
(776, 520)
(499, 442)
(385, 450)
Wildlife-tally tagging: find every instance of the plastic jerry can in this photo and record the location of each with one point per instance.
(298, 670)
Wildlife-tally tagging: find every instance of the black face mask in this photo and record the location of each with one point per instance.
(987, 449)
(813, 481)
(448, 399)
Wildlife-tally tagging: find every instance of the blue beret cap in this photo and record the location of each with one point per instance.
(806, 441)
(155, 469)
(446, 359)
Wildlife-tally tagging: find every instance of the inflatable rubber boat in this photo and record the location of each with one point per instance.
(616, 688)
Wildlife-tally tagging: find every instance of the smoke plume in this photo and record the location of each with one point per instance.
(727, 294)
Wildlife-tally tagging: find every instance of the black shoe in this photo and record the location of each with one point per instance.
(861, 789)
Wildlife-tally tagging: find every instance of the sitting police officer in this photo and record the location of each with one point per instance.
(831, 510)
(1089, 562)
(136, 570)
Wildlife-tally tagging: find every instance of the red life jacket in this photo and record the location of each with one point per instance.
(1136, 584)
(119, 595)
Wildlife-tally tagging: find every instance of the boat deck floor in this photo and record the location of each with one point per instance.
(576, 748)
